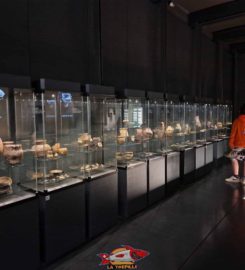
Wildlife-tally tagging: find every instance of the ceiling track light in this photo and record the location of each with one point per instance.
(171, 3)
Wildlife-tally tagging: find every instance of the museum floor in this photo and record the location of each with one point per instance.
(200, 227)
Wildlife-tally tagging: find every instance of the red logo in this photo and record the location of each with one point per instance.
(123, 258)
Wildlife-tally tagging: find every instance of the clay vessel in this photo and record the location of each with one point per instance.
(84, 139)
(13, 153)
(147, 133)
(123, 132)
(41, 148)
(1, 146)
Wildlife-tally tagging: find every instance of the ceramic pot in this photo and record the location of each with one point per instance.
(56, 172)
(97, 142)
(13, 153)
(1, 146)
(219, 125)
(139, 134)
(41, 148)
(121, 139)
(129, 155)
(159, 133)
(84, 139)
(7, 143)
(123, 132)
(5, 184)
(56, 147)
(169, 131)
(62, 151)
(147, 133)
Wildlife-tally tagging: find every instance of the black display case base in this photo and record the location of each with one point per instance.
(63, 221)
(156, 179)
(172, 172)
(226, 145)
(200, 159)
(209, 153)
(102, 203)
(19, 235)
(218, 149)
(132, 181)
(187, 166)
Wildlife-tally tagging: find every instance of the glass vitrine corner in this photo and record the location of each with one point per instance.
(135, 129)
(16, 112)
(212, 122)
(157, 123)
(175, 128)
(98, 140)
(55, 149)
(201, 123)
(221, 120)
(228, 120)
(191, 123)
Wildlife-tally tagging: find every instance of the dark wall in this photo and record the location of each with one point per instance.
(132, 43)
(207, 68)
(14, 45)
(227, 76)
(179, 55)
(125, 43)
(240, 95)
(60, 39)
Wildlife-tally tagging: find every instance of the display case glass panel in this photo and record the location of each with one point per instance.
(228, 119)
(201, 123)
(221, 120)
(210, 123)
(175, 126)
(24, 136)
(191, 123)
(157, 123)
(58, 123)
(212, 119)
(98, 141)
(16, 114)
(134, 134)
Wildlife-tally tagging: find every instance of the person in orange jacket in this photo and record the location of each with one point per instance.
(237, 145)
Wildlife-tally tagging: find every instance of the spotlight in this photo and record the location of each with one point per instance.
(171, 3)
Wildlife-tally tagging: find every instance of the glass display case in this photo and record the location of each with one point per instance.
(134, 133)
(133, 140)
(210, 123)
(212, 119)
(228, 125)
(16, 113)
(98, 145)
(221, 120)
(98, 140)
(157, 122)
(192, 122)
(201, 123)
(57, 123)
(175, 129)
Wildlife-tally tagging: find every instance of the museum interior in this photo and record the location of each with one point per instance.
(115, 119)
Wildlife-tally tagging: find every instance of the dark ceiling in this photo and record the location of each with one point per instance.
(221, 20)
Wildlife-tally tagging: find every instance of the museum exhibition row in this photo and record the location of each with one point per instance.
(75, 158)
